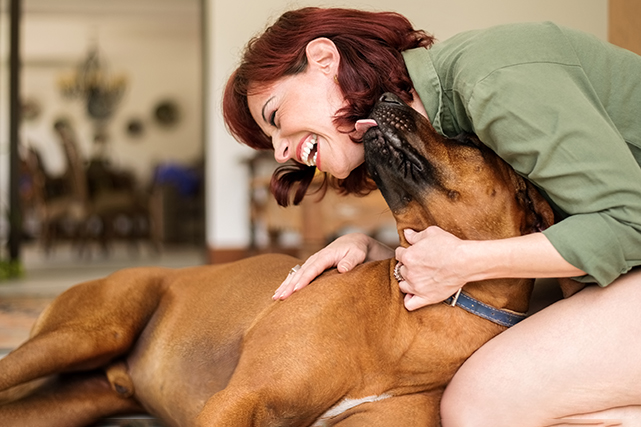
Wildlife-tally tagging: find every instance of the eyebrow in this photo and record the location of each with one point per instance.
(264, 107)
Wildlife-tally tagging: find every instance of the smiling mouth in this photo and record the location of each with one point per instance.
(309, 151)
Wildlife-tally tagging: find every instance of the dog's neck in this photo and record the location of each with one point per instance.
(508, 294)
(504, 294)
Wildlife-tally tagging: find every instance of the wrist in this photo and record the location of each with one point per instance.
(376, 250)
(476, 260)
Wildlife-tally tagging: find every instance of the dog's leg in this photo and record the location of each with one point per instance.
(70, 401)
(85, 327)
(276, 385)
(270, 401)
(419, 410)
(289, 373)
(271, 406)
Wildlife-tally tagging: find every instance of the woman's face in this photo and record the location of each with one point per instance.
(297, 113)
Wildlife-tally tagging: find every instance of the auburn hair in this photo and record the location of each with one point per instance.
(370, 46)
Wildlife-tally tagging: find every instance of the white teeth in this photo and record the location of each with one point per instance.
(307, 149)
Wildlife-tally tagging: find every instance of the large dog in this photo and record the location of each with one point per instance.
(207, 346)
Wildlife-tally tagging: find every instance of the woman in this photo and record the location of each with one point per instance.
(563, 108)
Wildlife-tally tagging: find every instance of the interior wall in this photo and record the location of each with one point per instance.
(231, 24)
(155, 44)
(158, 54)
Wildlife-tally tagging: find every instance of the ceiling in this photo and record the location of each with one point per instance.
(54, 31)
(110, 7)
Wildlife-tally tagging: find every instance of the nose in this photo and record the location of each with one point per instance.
(390, 98)
(282, 153)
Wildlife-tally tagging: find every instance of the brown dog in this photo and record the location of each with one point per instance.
(207, 346)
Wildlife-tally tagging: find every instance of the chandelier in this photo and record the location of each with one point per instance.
(91, 83)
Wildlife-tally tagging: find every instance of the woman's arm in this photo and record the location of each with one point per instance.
(557, 135)
(437, 263)
(562, 108)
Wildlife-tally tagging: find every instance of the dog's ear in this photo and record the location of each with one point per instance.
(540, 206)
(545, 219)
(538, 213)
(569, 287)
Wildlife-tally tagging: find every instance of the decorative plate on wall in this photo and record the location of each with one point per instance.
(135, 127)
(166, 113)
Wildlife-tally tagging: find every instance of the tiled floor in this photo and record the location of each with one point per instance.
(22, 300)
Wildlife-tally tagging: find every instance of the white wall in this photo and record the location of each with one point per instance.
(155, 43)
(231, 24)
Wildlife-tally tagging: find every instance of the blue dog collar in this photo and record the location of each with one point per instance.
(500, 317)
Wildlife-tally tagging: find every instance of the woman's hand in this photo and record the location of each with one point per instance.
(437, 263)
(433, 267)
(345, 253)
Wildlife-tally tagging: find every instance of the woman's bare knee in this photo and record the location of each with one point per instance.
(470, 399)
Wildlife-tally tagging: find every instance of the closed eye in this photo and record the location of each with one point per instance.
(272, 118)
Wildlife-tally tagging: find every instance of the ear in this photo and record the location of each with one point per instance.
(323, 55)
(540, 206)
(539, 214)
(543, 216)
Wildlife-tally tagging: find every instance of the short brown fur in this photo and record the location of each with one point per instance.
(207, 346)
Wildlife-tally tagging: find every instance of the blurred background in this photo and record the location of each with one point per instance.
(110, 129)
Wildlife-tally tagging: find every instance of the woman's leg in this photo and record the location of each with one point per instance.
(580, 355)
(627, 416)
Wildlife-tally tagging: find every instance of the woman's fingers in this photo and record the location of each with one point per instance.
(286, 283)
(301, 278)
(311, 269)
(344, 253)
(414, 302)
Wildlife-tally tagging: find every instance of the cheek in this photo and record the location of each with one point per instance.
(353, 156)
(338, 155)
(355, 153)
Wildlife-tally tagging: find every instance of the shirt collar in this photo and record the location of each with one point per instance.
(426, 83)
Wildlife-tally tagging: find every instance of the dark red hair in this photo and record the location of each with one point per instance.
(370, 46)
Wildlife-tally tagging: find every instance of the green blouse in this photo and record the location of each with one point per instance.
(564, 109)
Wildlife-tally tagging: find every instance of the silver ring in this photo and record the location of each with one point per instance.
(294, 269)
(397, 272)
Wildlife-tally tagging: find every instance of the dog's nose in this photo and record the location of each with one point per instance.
(390, 98)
